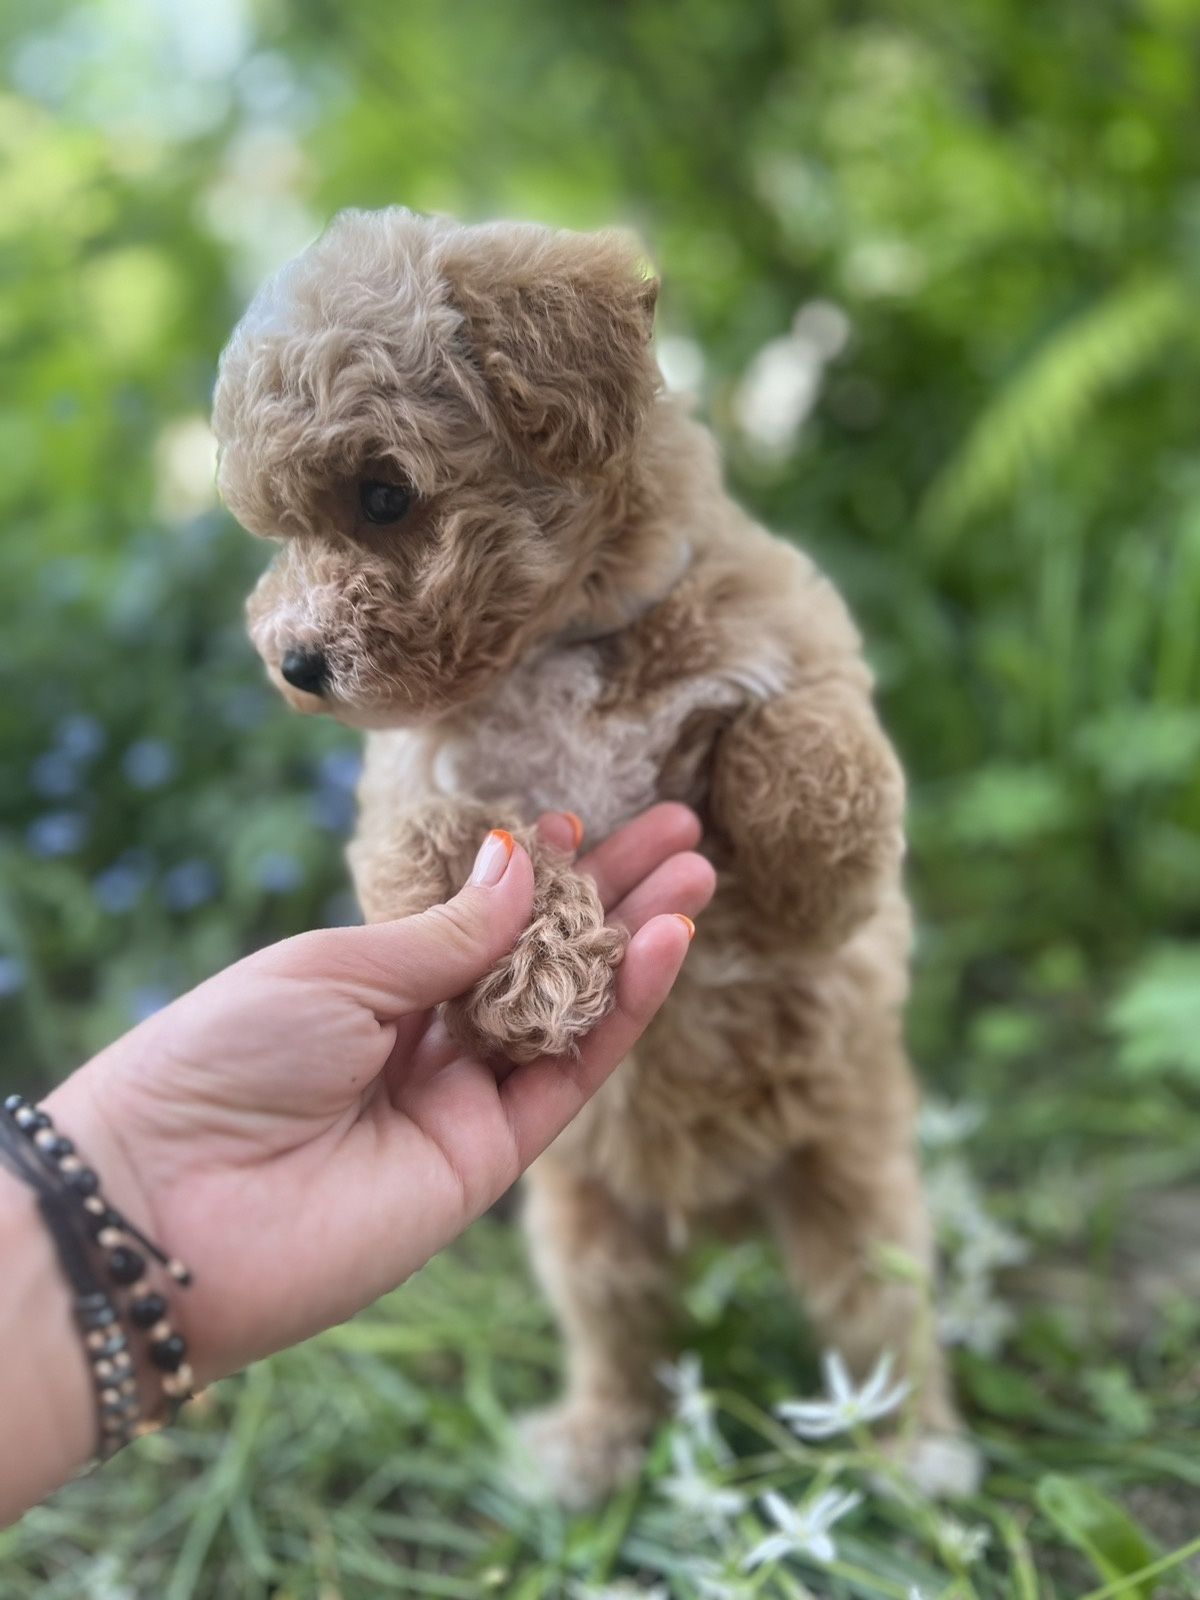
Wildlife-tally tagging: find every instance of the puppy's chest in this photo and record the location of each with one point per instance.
(561, 734)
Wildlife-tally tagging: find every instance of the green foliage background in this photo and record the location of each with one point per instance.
(1001, 470)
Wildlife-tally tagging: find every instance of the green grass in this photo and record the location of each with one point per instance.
(379, 1458)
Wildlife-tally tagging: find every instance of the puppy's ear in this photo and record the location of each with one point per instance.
(560, 326)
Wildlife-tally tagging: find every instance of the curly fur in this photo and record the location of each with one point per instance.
(575, 615)
(557, 983)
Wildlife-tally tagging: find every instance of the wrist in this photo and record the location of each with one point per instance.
(76, 1108)
(45, 1387)
(124, 1226)
(107, 1107)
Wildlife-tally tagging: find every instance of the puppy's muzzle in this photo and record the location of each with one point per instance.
(306, 670)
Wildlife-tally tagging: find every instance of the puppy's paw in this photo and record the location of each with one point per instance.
(943, 1466)
(555, 984)
(577, 1453)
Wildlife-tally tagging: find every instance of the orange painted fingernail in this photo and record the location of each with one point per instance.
(576, 827)
(492, 861)
(687, 922)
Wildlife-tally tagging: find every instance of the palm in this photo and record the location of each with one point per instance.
(309, 1142)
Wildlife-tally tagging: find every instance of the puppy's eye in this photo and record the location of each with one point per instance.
(383, 502)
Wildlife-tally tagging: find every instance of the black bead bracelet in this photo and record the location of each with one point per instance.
(85, 1227)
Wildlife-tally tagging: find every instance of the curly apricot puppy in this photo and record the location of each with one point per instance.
(506, 553)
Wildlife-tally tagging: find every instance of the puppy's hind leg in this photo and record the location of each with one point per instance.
(607, 1276)
(835, 1207)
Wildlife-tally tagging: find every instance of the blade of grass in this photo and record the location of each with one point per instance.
(1134, 1580)
(223, 1484)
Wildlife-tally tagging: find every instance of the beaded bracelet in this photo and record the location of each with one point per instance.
(77, 1213)
(116, 1393)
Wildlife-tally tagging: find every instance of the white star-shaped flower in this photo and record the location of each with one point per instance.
(694, 1405)
(961, 1543)
(847, 1406)
(802, 1530)
(940, 1124)
(695, 1493)
(719, 1582)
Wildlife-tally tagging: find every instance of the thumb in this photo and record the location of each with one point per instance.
(418, 961)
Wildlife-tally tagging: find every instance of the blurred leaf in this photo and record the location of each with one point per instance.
(1112, 1391)
(1007, 806)
(1139, 745)
(1093, 1523)
(1002, 1390)
(1006, 1032)
(1042, 407)
(1156, 1016)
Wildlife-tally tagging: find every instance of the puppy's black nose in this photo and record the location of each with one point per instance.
(306, 670)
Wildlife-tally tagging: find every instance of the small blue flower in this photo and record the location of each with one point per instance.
(119, 887)
(64, 406)
(245, 707)
(12, 976)
(333, 805)
(149, 763)
(189, 885)
(54, 775)
(56, 833)
(200, 530)
(80, 736)
(278, 872)
(340, 769)
(333, 810)
(148, 998)
(63, 580)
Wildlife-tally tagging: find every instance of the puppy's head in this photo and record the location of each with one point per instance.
(424, 415)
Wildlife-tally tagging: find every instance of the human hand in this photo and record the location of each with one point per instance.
(302, 1131)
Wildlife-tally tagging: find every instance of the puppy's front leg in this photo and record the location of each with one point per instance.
(808, 798)
(557, 981)
(403, 862)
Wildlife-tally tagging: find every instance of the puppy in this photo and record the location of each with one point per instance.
(506, 553)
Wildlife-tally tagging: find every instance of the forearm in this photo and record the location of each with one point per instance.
(45, 1390)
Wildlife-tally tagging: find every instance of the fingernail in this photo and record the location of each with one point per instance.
(687, 922)
(576, 827)
(492, 861)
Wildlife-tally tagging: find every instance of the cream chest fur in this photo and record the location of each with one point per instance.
(543, 739)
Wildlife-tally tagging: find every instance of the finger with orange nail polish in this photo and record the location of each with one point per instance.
(576, 824)
(492, 861)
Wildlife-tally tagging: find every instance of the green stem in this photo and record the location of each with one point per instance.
(1133, 1580)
